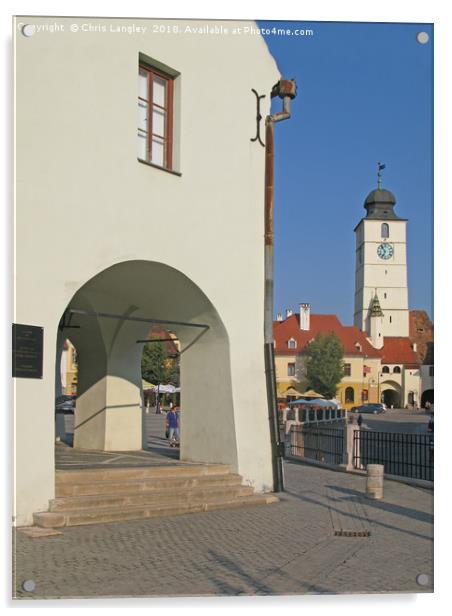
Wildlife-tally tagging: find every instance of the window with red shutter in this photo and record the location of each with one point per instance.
(155, 117)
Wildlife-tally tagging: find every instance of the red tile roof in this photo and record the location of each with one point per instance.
(155, 333)
(325, 324)
(398, 350)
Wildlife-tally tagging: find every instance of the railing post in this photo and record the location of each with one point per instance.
(347, 456)
(375, 478)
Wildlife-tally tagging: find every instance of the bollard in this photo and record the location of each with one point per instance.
(374, 486)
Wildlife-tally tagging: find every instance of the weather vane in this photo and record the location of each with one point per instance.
(380, 169)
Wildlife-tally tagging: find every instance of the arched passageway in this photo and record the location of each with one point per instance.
(391, 398)
(427, 396)
(106, 319)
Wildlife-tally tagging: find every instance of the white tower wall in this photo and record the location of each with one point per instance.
(387, 277)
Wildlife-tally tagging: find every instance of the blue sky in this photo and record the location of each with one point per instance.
(365, 94)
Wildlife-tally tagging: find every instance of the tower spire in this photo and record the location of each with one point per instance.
(375, 309)
(380, 168)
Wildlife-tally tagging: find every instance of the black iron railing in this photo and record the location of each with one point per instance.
(320, 443)
(406, 455)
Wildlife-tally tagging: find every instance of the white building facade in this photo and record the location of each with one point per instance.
(80, 181)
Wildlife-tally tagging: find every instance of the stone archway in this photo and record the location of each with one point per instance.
(391, 395)
(106, 318)
(427, 396)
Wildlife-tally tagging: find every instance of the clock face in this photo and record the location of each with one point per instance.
(385, 251)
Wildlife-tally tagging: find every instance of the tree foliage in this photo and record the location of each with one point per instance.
(157, 366)
(324, 364)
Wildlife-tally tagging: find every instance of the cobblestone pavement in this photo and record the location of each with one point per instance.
(284, 548)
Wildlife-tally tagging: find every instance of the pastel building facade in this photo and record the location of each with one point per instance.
(115, 135)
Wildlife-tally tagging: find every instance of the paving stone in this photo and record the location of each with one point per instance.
(286, 548)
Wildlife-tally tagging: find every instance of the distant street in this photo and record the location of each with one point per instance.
(397, 420)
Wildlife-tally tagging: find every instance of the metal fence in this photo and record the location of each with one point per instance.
(406, 455)
(320, 443)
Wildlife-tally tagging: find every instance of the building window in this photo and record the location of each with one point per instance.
(390, 319)
(365, 395)
(155, 117)
(396, 370)
(385, 370)
(385, 230)
(349, 394)
(385, 295)
(347, 369)
(430, 371)
(290, 369)
(292, 344)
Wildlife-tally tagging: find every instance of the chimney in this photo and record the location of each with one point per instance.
(279, 316)
(305, 317)
(289, 313)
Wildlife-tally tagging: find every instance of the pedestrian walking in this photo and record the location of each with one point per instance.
(360, 420)
(172, 427)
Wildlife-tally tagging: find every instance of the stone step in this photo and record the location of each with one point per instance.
(139, 472)
(168, 496)
(121, 486)
(103, 515)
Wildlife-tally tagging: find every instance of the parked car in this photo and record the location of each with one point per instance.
(65, 404)
(369, 408)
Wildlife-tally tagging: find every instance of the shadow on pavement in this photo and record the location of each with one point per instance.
(255, 585)
(384, 506)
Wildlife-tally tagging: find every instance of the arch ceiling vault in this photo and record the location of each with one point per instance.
(108, 413)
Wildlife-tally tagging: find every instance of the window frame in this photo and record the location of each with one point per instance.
(384, 231)
(168, 108)
(349, 395)
(291, 369)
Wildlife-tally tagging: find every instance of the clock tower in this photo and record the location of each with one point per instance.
(381, 266)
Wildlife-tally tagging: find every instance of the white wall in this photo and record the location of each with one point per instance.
(387, 276)
(79, 184)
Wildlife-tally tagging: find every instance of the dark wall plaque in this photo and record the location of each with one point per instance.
(28, 344)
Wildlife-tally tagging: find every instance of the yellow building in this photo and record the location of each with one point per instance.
(390, 374)
(69, 369)
(362, 362)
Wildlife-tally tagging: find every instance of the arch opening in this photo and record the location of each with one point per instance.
(108, 318)
(391, 396)
(427, 398)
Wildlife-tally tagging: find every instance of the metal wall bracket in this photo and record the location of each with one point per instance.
(65, 322)
(258, 118)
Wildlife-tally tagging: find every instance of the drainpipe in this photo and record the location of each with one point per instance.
(286, 90)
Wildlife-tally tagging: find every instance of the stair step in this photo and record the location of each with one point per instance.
(141, 472)
(150, 497)
(124, 486)
(98, 516)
